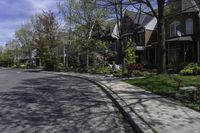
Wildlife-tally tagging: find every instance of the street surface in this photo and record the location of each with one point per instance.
(35, 102)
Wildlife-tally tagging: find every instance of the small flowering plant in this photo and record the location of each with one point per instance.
(135, 67)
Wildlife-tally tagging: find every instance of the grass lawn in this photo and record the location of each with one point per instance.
(165, 85)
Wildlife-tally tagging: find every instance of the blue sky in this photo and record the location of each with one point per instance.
(14, 13)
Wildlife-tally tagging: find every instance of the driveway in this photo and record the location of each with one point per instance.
(32, 102)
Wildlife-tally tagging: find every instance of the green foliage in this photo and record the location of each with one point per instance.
(130, 53)
(46, 30)
(191, 69)
(118, 73)
(166, 86)
(60, 67)
(5, 59)
(23, 66)
(14, 66)
(104, 70)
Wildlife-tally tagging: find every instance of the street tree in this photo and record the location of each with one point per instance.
(117, 10)
(24, 36)
(46, 38)
(84, 19)
(156, 8)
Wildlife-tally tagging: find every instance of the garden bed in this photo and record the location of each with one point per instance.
(169, 86)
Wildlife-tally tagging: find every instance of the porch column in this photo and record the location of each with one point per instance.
(184, 52)
(198, 42)
(168, 54)
(155, 55)
(198, 51)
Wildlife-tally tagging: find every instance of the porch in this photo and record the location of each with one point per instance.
(179, 51)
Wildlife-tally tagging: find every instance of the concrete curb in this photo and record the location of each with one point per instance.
(136, 122)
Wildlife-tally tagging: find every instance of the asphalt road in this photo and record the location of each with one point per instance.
(46, 103)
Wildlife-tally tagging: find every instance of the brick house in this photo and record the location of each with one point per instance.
(182, 33)
(141, 28)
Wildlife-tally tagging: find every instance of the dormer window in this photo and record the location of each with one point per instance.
(174, 27)
(189, 26)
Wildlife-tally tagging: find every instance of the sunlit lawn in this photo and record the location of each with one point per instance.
(165, 85)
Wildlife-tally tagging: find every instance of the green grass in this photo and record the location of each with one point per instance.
(166, 86)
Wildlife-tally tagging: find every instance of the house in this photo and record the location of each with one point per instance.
(141, 28)
(182, 33)
(145, 33)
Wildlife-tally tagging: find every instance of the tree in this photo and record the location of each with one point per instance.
(117, 9)
(13, 50)
(84, 19)
(145, 6)
(150, 9)
(25, 38)
(46, 39)
(130, 57)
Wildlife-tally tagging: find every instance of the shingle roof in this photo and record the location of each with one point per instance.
(197, 4)
(139, 18)
(189, 5)
(183, 5)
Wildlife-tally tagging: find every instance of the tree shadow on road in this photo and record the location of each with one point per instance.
(58, 104)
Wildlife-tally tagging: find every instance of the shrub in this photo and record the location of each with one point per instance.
(60, 67)
(191, 69)
(104, 70)
(118, 73)
(14, 66)
(134, 67)
(23, 66)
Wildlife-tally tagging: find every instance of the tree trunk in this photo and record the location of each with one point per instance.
(123, 57)
(161, 44)
(87, 60)
(67, 60)
(161, 36)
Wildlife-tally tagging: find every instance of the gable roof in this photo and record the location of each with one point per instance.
(183, 6)
(142, 19)
(139, 18)
(190, 5)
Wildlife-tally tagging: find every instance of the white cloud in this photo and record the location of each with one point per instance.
(12, 16)
(40, 5)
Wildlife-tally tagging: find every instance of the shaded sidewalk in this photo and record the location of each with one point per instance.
(151, 113)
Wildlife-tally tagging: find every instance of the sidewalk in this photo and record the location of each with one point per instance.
(150, 112)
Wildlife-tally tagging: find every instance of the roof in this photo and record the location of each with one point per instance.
(183, 6)
(139, 18)
(184, 38)
(190, 5)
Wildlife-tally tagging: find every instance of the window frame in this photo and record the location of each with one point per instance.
(189, 26)
(175, 24)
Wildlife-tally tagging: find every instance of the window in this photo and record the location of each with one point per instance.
(189, 26)
(174, 27)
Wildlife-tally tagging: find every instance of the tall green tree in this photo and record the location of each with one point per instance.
(117, 9)
(24, 35)
(46, 38)
(85, 17)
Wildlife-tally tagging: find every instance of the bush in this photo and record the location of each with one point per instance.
(23, 66)
(60, 67)
(135, 67)
(14, 66)
(104, 70)
(118, 73)
(191, 69)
